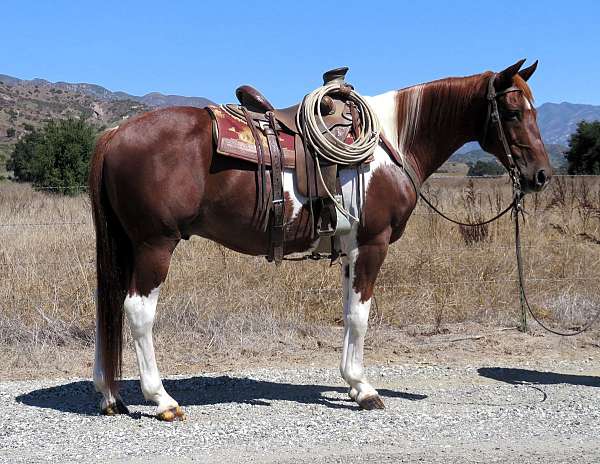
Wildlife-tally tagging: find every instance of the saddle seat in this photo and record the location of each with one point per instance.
(254, 101)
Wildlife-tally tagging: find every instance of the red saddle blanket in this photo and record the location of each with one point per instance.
(234, 138)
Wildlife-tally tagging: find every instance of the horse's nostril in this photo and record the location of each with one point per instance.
(540, 178)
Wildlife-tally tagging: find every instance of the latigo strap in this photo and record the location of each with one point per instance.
(276, 235)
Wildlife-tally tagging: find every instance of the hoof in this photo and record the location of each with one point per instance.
(170, 415)
(371, 402)
(353, 394)
(118, 407)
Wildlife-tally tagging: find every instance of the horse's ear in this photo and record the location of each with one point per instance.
(504, 79)
(527, 72)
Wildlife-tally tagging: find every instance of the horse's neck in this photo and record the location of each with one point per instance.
(433, 120)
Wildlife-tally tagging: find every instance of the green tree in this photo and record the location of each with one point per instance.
(10, 132)
(583, 156)
(56, 155)
(485, 168)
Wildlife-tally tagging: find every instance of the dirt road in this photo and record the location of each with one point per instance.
(542, 412)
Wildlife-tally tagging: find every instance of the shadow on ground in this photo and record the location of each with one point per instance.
(81, 398)
(526, 376)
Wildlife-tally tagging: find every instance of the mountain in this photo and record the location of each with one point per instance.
(557, 121)
(153, 99)
(25, 104)
(555, 153)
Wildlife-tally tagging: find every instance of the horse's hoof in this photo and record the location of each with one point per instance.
(353, 394)
(170, 415)
(118, 407)
(371, 402)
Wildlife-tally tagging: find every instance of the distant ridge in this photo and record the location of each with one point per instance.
(555, 153)
(557, 121)
(153, 99)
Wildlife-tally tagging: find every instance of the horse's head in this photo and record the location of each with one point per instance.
(509, 98)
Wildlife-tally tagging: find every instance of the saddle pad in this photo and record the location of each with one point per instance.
(234, 138)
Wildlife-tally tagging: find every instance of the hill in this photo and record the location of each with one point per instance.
(557, 121)
(555, 153)
(97, 92)
(29, 103)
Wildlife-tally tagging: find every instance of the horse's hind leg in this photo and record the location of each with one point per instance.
(359, 271)
(151, 264)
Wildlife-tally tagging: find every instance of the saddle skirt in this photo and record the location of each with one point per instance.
(234, 138)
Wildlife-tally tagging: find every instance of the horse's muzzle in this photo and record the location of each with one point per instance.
(537, 183)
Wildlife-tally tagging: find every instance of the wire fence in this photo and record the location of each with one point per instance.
(440, 251)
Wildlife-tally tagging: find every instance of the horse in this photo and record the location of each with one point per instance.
(156, 179)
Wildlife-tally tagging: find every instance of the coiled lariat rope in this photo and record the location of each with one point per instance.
(324, 145)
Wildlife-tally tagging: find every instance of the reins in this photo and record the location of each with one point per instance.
(467, 224)
(493, 116)
(523, 295)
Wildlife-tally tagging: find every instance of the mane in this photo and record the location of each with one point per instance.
(433, 105)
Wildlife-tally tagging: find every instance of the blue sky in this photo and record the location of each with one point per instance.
(208, 48)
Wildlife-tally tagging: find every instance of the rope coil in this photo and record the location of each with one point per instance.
(312, 126)
(325, 145)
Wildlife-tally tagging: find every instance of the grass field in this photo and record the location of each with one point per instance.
(218, 301)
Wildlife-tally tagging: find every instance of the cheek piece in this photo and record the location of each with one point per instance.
(493, 118)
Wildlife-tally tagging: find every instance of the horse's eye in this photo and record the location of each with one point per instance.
(512, 115)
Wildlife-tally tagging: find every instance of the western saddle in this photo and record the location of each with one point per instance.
(269, 126)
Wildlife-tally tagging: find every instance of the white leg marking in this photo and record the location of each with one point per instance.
(140, 311)
(356, 319)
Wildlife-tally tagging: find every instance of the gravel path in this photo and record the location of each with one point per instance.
(441, 414)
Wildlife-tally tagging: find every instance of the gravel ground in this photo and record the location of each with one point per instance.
(435, 413)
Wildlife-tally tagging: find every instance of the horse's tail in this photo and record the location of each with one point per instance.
(113, 256)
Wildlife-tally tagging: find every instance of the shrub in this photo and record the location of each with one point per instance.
(56, 155)
(583, 155)
(485, 168)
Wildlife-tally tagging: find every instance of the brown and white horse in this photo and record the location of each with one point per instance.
(157, 179)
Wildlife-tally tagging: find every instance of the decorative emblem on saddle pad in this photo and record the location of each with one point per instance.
(234, 138)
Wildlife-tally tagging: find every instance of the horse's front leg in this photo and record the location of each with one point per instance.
(359, 271)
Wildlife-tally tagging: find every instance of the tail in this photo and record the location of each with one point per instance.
(113, 258)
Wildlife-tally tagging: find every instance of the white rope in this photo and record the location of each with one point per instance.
(324, 144)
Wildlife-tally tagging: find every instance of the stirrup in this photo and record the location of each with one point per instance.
(326, 225)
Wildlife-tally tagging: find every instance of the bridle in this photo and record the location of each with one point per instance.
(493, 117)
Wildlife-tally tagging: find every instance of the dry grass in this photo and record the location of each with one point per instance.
(221, 302)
